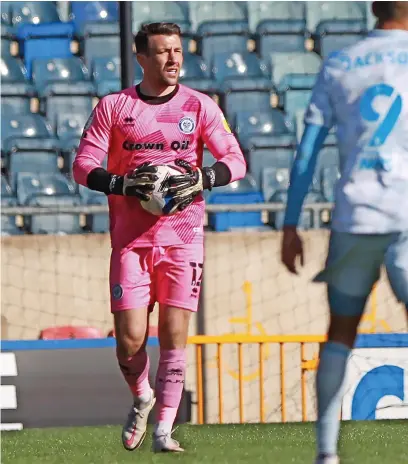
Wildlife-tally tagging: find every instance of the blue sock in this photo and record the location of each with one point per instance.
(329, 383)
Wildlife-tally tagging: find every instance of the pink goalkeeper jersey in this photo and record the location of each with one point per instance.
(130, 131)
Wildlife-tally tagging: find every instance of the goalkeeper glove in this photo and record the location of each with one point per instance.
(138, 183)
(185, 187)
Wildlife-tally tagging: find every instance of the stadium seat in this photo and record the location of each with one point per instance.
(246, 94)
(277, 152)
(317, 12)
(281, 36)
(226, 36)
(332, 36)
(7, 38)
(16, 90)
(152, 12)
(52, 70)
(47, 190)
(243, 82)
(237, 65)
(32, 162)
(97, 222)
(69, 331)
(100, 40)
(67, 99)
(69, 127)
(244, 191)
(32, 13)
(294, 69)
(106, 74)
(254, 123)
(26, 125)
(274, 179)
(279, 11)
(196, 74)
(8, 223)
(31, 184)
(203, 12)
(306, 220)
(51, 40)
(88, 12)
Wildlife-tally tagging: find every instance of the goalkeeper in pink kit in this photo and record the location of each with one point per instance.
(155, 259)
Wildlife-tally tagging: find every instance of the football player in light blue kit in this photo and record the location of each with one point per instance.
(363, 91)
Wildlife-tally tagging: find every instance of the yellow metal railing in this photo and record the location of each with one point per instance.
(262, 340)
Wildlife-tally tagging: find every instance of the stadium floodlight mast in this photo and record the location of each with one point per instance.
(126, 44)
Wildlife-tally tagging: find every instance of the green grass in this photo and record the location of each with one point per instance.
(376, 442)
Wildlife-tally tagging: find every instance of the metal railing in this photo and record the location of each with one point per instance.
(261, 340)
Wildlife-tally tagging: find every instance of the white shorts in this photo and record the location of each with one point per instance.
(354, 261)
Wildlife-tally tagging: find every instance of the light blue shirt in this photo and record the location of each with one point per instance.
(363, 91)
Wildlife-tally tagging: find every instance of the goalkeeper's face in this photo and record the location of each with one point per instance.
(163, 62)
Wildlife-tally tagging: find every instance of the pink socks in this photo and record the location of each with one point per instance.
(169, 388)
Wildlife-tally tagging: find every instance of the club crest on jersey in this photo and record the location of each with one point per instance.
(186, 125)
(117, 292)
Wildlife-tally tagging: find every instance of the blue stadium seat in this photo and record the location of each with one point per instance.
(332, 36)
(272, 151)
(244, 191)
(26, 125)
(153, 12)
(279, 11)
(51, 40)
(69, 127)
(106, 74)
(254, 123)
(242, 81)
(274, 179)
(48, 190)
(64, 98)
(203, 12)
(196, 74)
(7, 37)
(281, 36)
(53, 223)
(287, 68)
(88, 12)
(226, 36)
(32, 162)
(8, 223)
(32, 13)
(317, 12)
(5, 14)
(306, 220)
(16, 90)
(97, 223)
(294, 75)
(52, 70)
(100, 40)
(238, 65)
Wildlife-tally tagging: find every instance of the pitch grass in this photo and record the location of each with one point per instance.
(376, 442)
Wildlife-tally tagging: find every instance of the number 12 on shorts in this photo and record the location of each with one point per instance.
(196, 277)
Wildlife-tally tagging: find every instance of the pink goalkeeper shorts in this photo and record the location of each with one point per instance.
(169, 275)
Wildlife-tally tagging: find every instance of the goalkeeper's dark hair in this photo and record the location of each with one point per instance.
(389, 11)
(147, 30)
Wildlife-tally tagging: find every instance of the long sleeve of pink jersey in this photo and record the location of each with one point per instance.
(95, 141)
(221, 142)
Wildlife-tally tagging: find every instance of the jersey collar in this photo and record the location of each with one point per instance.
(397, 33)
(156, 100)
